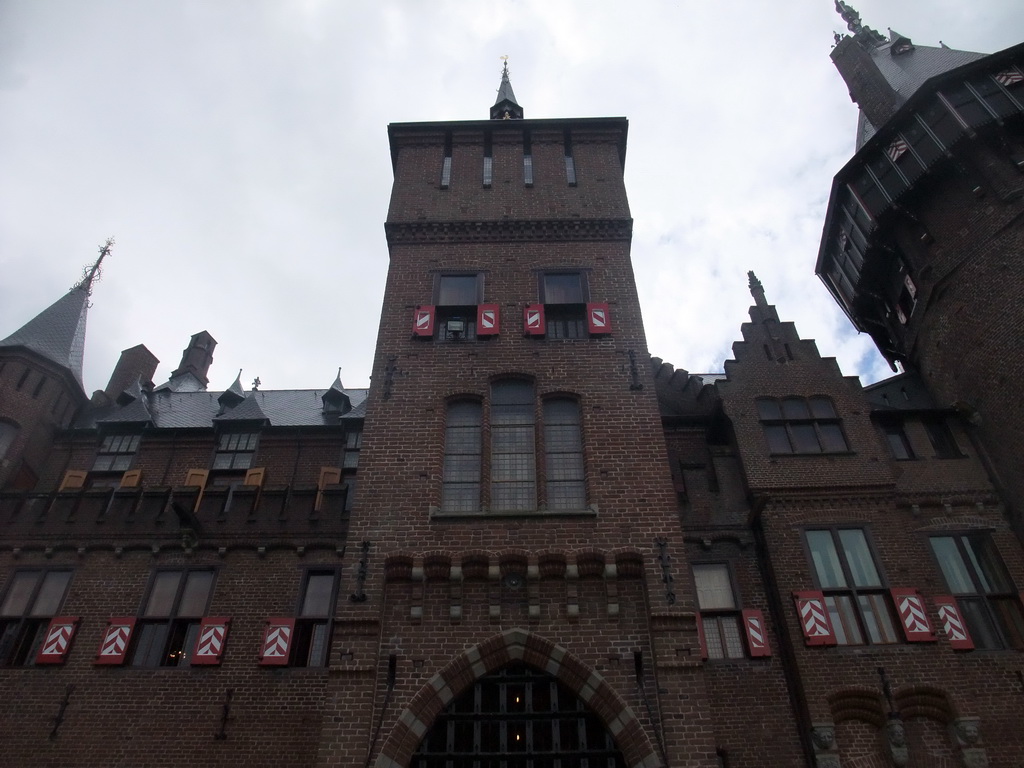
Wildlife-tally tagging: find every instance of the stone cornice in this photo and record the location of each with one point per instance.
(413, 232)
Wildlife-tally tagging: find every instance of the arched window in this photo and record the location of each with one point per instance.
(513, 446)
(462, 447)
(563, 449)
(517, 717)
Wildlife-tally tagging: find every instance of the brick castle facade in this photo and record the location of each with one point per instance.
(530, 544)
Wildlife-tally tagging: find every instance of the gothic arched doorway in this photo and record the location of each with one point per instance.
(517, 717)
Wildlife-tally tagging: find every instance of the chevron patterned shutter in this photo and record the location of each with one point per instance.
(813, 615)
(533, 320)
(114, 646)
(598, 319)
(953, 623)
(210, 642)
(913, 615)
(700, 638)
(423, 321)
(757, 634)
(488, 320)
(277, 642)
(58, 640)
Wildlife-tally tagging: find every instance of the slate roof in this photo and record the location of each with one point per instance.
(907, 72)
(904, 392)
(57, 333)
(178, 410)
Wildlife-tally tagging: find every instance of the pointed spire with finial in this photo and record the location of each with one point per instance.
(58, 332)
(505, 106)
(336, 400)
(233, 395)
(854, 24)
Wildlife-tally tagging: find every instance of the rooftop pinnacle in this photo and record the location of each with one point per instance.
(505, 106)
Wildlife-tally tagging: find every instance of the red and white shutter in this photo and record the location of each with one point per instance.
(953, 623)
(488, 320)
(814, 621)
(913, 615)
(757, 634)
(533, 320)
(908, 281)
(114, 646)
(210, 642)
(700, 638)
(58, 640)
(598, 319)
(277, 641)
(423, 321)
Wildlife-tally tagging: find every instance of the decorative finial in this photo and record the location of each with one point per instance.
(756, 289)
(753, 282)
(92, 274)
(854, 24)
(255, 383)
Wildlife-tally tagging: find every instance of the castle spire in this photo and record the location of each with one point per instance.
(58, 332)
(854, 24)
(505, 106)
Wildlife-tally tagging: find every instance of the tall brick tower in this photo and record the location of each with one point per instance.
(925, 227)
(513, 476)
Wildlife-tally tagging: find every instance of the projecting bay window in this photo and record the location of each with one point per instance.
(168, 628)
(854, 593)
(513, 441)
(801, 425)
(116, 453)
(989, 603)
(32, 599)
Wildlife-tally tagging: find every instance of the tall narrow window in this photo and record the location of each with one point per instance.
(116, 453)
(32, 598)
(312, 627)
(563, 449)
(446, 164)
(570, 163)
(456, 298)
(988, 600)
(488, 161)
(941, 438)
(462, 448)
(854, 593)
(513, 457)
(719, 614)
(564, 297)
(899, 445)
(527, 160)
(171, 615)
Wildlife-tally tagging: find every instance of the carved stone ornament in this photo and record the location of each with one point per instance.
(897, 738)
(823, 735)
(967, 731)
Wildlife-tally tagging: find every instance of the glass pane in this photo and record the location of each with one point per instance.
(795, 408)
(713, 639)
(459, 468)
(317, 601)
(832, 438)
(731, 637)
(19, 592)
(821, 408)
(566, 495)
(897, 443)
(953, 568)
(778, 438)
(149, 645)
(1011, 621)
(561, 411)
(768, 410)
(563, 288)
(197, 593)
(979, 623)
(162, 593)
(825, 559)
(714, 587)
(463, 414)
(318, 645)
(461, 498)
(804, 438)
(858, 558)
(51, 594)
(844, 619)
(457, 290)
(988, 564)
(877, 620)
(222, 461)
(513, 496)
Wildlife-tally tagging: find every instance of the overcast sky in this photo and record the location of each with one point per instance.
(237, 151)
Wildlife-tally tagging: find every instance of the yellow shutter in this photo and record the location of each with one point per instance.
(328, 476)
(197, 477)
(132, 478)
(73, 479)
(255, 476)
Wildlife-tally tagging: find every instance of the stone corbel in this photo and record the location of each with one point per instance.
(967, 733)
(823, 739)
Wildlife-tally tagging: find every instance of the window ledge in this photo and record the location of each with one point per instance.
(815, 454)
(439, 514)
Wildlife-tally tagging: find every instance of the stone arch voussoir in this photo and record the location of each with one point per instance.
(493, 654)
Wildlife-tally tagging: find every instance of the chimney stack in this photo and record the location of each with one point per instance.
(197, 357)
(135, 363)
